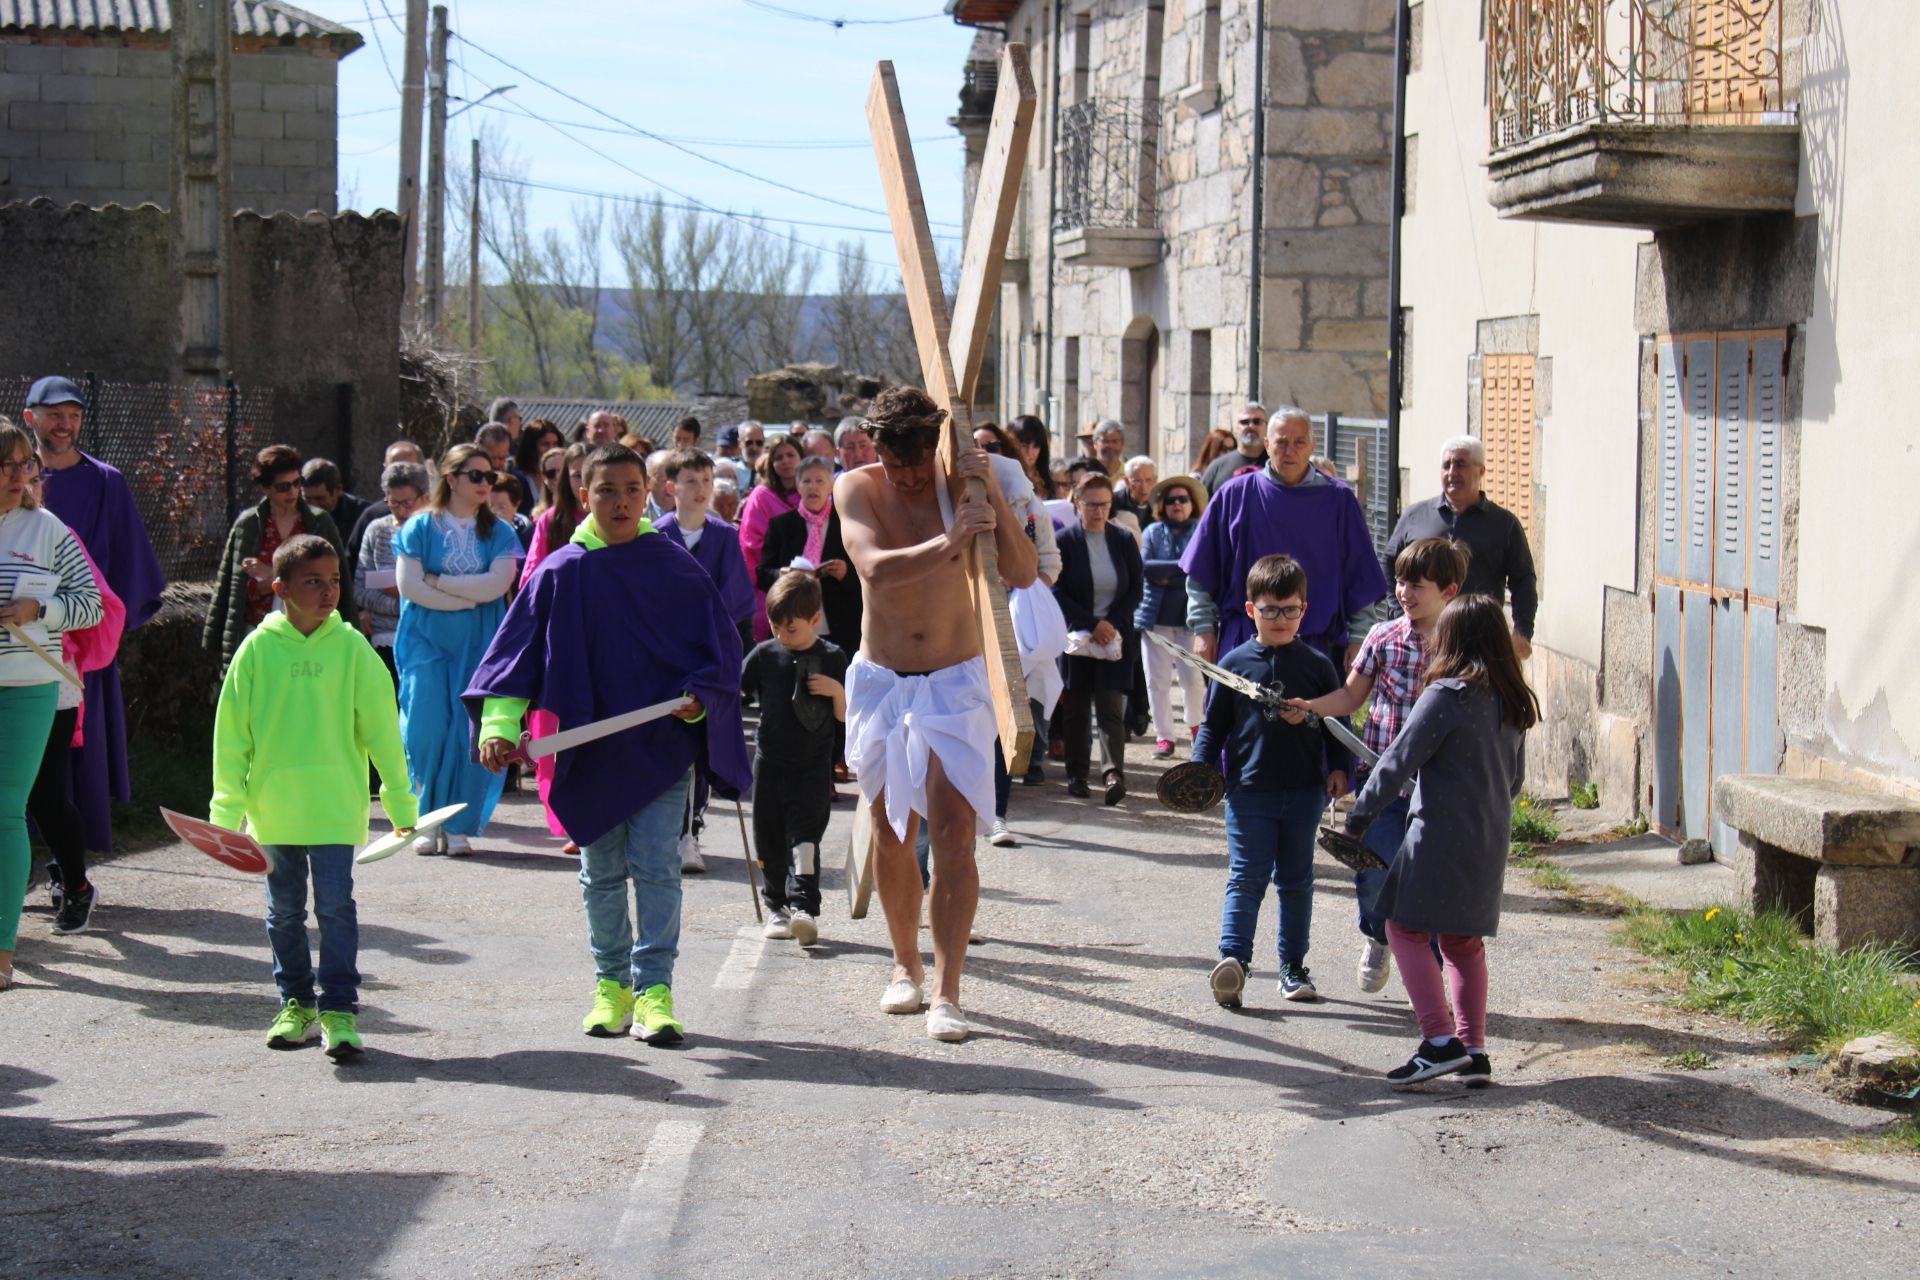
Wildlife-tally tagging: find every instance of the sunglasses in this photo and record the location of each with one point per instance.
(476, 477)
(1253, 422)
(1275, 612)
(552, 473)
(991, 448)
(1176, 497)
(285, 486)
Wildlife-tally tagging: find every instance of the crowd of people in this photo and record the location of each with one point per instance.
(506, 589)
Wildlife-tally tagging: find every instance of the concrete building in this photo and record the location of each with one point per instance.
(87, 90)
(1658, 257)
(1203, 214)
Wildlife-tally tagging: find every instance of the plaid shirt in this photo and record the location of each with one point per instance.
(1394, 657)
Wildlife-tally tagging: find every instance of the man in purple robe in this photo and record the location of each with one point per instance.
(619, 619)
(1286, 507)
(93, 500)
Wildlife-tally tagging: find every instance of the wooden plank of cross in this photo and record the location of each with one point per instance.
(950, 352)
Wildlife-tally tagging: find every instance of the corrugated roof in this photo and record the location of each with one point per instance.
(265, 19)
(653, 419)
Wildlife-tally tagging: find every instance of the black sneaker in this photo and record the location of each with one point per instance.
(1078, 787)
(1478, 1073)
(56, 887)
(1428, 1061)
(1296, 983)
(76, 911)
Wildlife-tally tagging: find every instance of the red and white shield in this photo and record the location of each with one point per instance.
(235, 848)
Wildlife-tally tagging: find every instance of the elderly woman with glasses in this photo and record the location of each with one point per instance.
(405, 486)
(453, 565)
(1176, 503)
(243, 593)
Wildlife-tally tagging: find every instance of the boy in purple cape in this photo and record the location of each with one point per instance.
(621, 618)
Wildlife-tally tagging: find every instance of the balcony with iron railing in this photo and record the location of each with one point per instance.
(1106, 174)
(1647, 113)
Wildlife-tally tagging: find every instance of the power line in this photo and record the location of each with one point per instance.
(629, 198)
(647, 133)
(820, 144)
(838, 22)
(379, 47)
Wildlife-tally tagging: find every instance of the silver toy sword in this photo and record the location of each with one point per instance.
(532, 748)
(1269, 698)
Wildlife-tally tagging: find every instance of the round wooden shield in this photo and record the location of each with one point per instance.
(1349, 852)
(1192, 787)
(860, 861)
(235, 849)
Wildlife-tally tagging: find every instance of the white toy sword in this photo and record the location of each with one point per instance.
(532, 748)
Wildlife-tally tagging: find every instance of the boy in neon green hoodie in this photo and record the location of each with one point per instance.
(304, 704)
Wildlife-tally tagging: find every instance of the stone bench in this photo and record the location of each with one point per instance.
(1844, 857)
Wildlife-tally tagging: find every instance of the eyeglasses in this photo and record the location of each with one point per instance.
(476, 477)
(1275, 612)
(1095, 506)
(284, 486)
(1172, 498)
(28, 466)
(1253, 422)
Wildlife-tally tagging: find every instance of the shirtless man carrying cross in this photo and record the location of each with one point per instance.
(920, 715)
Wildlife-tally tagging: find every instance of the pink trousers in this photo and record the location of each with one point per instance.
(540, 724)
(1464, 984)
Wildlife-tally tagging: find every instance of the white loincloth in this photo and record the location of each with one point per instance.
(895, 722)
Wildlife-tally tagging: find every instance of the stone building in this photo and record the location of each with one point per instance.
(87, 90)
(1660, 260)
(1203, 213)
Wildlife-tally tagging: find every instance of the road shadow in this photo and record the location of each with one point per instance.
(614, 1067)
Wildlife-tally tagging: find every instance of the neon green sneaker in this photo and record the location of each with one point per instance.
(612, 1010)
(340, 1033)
(653, 1016)
(296, 1024)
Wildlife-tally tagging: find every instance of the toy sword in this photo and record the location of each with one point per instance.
(1270, 698)
(532, 748)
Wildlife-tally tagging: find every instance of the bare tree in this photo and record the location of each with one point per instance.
(867, 323)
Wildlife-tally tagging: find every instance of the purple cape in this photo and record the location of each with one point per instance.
(1321, 526)
(598, 633)
(93, 500)
(718, 552)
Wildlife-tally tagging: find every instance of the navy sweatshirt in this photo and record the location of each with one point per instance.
(1271, 755)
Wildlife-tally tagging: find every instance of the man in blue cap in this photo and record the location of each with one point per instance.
(93, 500)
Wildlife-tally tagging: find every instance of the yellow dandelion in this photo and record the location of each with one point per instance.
(1712, 912)
(1739, 937)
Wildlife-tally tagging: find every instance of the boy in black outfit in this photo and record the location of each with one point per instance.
(799, 679)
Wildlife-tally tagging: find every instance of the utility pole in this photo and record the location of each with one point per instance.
(202, 214)
(473, 256)
(436, 168)
(412, 98)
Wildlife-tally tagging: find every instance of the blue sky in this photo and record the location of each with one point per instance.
(705, 73)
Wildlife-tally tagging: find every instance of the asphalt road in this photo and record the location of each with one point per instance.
(1106, 1118)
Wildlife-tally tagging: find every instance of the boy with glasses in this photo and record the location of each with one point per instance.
(1281, 772)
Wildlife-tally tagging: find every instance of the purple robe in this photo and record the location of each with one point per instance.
(596, 633)
(93, 500)
(1319, 525)
(718, 552)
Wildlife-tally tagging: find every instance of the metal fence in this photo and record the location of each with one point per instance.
(1106, 174)
(1360, 444)
(185, 451)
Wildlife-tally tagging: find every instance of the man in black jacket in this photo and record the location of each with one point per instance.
(1499, 559)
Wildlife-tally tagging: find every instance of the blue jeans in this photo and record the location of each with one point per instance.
(645, 849)
(1383, 837)
(1270, 839)
(330, 867)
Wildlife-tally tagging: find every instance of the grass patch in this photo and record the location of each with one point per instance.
(1544, 875)
(1760, 969)
(1691, 1060)
(1584, 795)
(1901, 1139)
(1533, 823)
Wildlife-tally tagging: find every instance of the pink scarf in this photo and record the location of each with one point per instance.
(816, 530)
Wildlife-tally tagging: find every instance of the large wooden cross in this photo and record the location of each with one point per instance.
(951, 344)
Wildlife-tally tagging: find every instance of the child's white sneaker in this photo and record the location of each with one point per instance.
(802, 926)
(1228, 980)
(691, 863)
(459, 847)
(1376, 963)
(778, 926)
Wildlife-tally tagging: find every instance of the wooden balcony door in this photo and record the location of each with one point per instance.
(1716, 571)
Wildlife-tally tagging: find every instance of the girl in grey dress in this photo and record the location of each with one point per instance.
(1462, 746)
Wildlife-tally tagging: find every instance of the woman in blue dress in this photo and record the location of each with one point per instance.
(454, 563)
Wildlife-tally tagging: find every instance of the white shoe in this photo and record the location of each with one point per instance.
(691, 863)
(803, 928)
(426, 846)
(778, 926)
(902, 996)
(1000, 836)
(459, 847)
(945, 1023)
(1228, 980)
(1376, 963)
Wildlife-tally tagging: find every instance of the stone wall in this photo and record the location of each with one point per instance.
(93, 124)
(314, 313)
